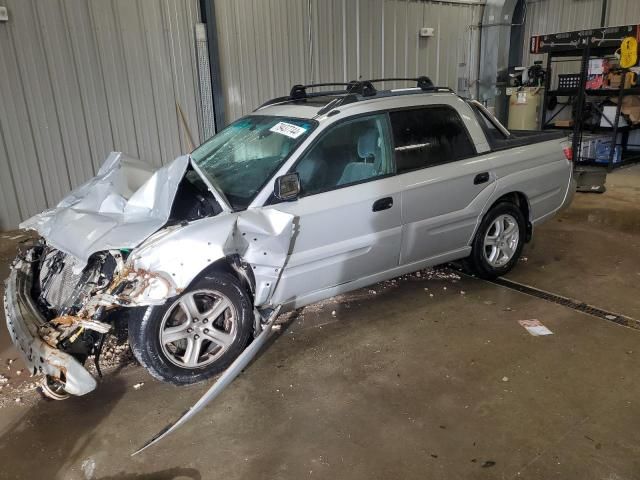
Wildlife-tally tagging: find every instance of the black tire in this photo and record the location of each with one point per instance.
(477, 262)
(144, 333)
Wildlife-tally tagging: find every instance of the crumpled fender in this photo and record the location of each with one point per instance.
(121, 206)
(177, 254)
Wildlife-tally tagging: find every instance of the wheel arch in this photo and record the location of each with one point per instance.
(522, 202)
(233, 265)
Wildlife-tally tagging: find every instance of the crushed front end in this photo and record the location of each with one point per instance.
(56, 316)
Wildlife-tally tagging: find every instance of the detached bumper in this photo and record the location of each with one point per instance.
(24, 321)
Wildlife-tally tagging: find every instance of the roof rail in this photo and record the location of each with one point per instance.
(423, 82)
(351, 90)
(362, 87)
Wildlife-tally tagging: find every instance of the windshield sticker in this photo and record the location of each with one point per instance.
(291, 131)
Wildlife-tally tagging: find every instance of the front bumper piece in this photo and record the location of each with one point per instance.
(24, 321)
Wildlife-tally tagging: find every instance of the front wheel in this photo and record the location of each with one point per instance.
(195, 335)
(498, 242)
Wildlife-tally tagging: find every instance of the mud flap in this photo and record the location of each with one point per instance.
(225, 379)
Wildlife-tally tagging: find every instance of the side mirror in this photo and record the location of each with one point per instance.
(287, 187)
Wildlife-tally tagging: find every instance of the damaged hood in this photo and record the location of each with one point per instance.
(120, 207)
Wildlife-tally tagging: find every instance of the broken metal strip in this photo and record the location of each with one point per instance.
(225, 379)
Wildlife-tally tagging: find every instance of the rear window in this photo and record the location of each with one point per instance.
(429, 136)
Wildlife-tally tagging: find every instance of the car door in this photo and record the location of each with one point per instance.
(445, 183)
(348, 216)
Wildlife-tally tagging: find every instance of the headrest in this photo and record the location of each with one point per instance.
(368, 143)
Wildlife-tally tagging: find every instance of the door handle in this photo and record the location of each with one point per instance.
(481, 178)
(382, 204)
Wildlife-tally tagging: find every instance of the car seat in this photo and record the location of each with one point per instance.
(370, 163)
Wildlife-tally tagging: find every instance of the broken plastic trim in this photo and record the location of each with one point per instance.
(225, 379)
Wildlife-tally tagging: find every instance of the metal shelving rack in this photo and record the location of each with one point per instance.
(583, 46)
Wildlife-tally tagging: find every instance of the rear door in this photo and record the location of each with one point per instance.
(445, 183)
(348, 216)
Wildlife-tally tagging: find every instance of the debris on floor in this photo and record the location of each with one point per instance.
(114, 355)
(138, 386)
(535, 327)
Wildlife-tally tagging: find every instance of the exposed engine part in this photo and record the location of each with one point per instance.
(65, 286)
(98, 353)
(57, 278)
(193, 200)
(68, 327)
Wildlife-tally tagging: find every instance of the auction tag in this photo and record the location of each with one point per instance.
(284, 128)
(521, 98)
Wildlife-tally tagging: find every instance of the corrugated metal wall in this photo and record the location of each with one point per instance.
(80, 78)
(269, 45)
(623, 12)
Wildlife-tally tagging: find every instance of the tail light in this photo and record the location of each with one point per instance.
(568, 153)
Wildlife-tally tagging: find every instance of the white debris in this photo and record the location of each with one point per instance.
(505, 379)
(18, 372)
(3, 379)
(535, 327)
(333, 313)
(431, 295)
(138, 386)
(89, 468)
(610, 317)
(372, 292)
(462, 292)
(18, 400)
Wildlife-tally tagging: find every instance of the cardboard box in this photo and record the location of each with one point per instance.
(614, 80)
(630, 107)
(563, 123)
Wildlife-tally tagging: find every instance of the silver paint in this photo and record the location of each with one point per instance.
(119, 208)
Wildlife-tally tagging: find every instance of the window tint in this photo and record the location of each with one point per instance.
(428, 136)
(351, 152)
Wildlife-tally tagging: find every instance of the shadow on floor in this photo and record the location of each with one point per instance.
(168, 474)
(57, 433)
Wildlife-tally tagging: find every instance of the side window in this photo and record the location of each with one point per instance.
(429, 136)
(351, 152)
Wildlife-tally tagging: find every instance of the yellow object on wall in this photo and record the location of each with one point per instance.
(628, 52)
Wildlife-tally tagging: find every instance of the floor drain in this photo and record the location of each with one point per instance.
(568, 302)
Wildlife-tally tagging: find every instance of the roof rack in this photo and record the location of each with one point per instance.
(353, 91)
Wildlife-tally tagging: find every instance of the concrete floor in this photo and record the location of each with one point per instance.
(400, 384)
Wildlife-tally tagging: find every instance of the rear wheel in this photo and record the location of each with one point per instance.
(498, 242)
(197, 334)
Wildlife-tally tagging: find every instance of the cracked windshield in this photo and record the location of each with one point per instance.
(241, 159)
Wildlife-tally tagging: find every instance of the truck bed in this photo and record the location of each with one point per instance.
(520, 138)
